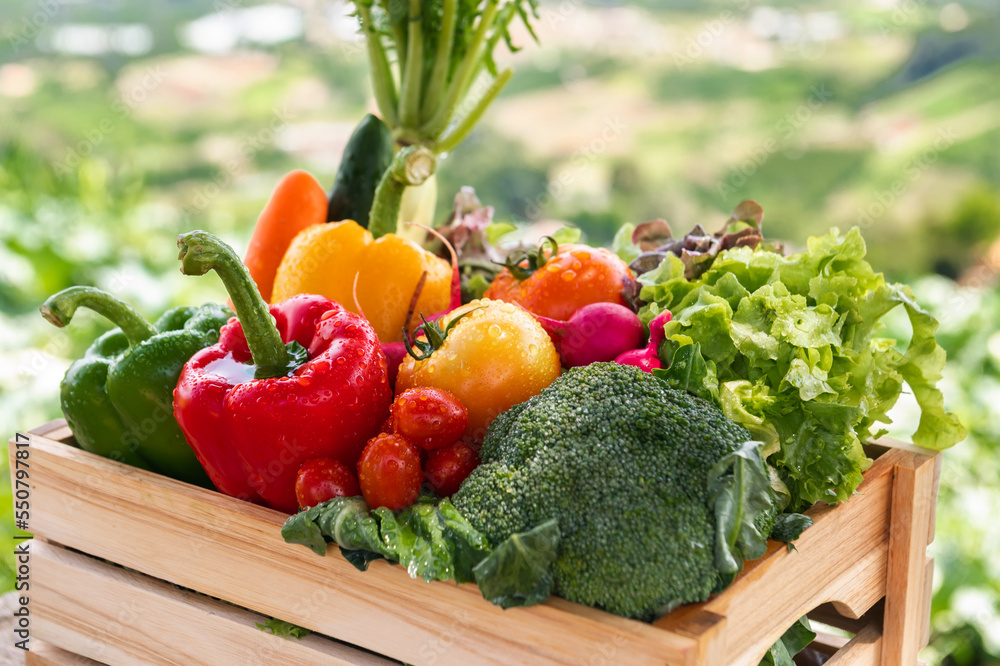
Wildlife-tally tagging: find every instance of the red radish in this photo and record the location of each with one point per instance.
(648, 358)
(596, 332)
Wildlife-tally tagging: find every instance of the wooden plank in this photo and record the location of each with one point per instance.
(104, 612)
(232, 550)
(865, 649)
(925, 602)
(43, 654)
(705, 628)
(9, 652)
(934, 491)
(913, 502)
(50, 430)
(827, 614)
(840, 559)
(827, 643)
(236, 545)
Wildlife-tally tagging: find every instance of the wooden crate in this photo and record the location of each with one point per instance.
(863, 566)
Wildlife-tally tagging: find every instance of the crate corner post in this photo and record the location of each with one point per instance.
(910, 571)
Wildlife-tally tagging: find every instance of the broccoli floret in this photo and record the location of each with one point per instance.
(621, 461)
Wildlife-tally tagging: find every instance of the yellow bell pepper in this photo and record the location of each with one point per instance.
(325, 258)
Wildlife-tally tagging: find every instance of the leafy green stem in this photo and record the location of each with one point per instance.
(442, 61)
(460, 82)
(383, 83)
(412, 75)
(458, 134)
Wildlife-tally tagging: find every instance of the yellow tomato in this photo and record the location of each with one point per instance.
(325, 258)
(495, 357)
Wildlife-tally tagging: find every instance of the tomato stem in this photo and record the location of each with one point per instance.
(535, 259)
(434, 335)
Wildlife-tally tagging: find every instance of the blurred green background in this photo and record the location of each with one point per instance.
(122, 124)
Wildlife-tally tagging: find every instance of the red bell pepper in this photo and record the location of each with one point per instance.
(309, 383)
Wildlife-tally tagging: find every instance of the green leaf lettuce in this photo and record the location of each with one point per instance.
(789, 347)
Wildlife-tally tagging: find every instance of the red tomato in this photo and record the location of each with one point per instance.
(429, 417)
(389, 427)
(576, 276)
(447, 468)
(320, 479)
(389, 472)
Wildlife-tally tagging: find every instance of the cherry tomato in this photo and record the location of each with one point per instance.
(429, 417)
(389, 427)
(320, 479)
(495, 357)
(389, 472)
(447, 468)
(565, 281)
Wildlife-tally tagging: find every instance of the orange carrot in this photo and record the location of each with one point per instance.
(296, 203)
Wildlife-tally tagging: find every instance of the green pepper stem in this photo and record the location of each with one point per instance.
(410, 167)
(59, 309)
(201, 252)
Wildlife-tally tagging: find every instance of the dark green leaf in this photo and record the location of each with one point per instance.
(687, 370)
(739, 493)
(432, 541)
(361, 558)
(518, 572)
(799, 636)
(793, 641)
(789, 526)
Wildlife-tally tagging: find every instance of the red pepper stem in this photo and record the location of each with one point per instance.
(59, 309)
(201, 252)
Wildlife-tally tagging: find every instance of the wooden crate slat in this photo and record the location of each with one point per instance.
(865, 649)
(827, 643)
(229, 549)
(913, 503)
(44, 654)
(233, 550)
(122, 617)
(827, 614)
(926, 600)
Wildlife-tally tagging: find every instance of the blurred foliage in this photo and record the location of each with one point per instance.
(889, 121)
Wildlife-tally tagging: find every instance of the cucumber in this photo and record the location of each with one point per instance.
(366, 157)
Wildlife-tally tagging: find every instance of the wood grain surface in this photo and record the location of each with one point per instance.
(232, 550)
(117, 616)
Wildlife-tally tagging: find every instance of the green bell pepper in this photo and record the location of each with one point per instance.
(118, 398)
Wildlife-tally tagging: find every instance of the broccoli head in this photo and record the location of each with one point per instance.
(623, 463)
